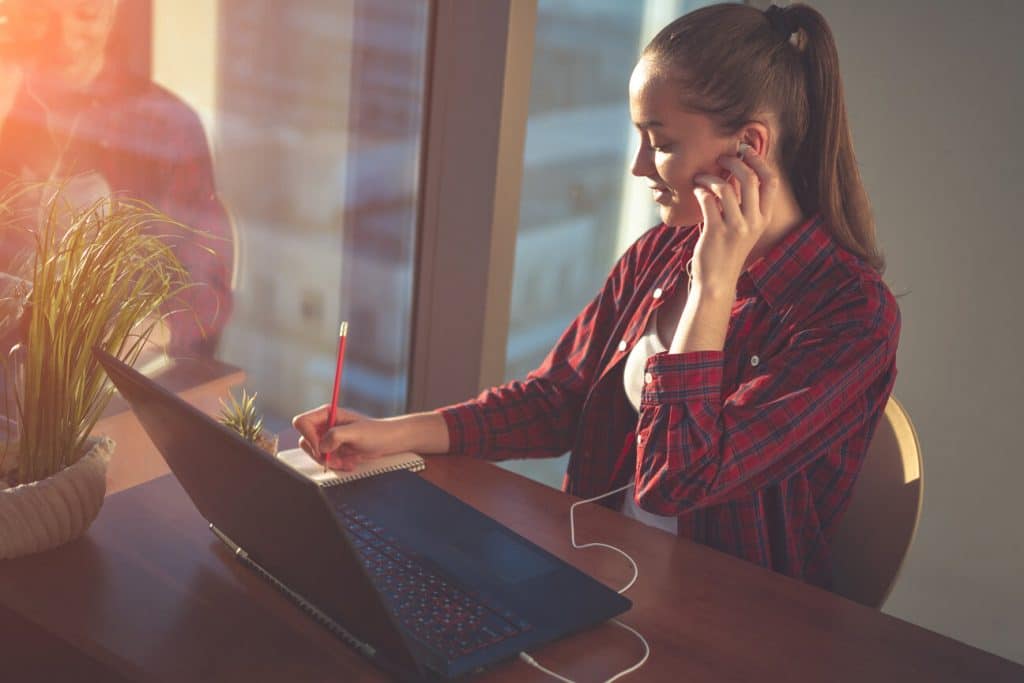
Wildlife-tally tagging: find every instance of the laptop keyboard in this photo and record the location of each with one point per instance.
(452, 621)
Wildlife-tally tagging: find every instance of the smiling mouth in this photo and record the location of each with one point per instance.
(661, 193)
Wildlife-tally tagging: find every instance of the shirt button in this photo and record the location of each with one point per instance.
(622, 346)
(648, 378)
(755, 361)
(658, 293)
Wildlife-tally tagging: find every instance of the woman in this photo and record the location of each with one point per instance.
(739, 355)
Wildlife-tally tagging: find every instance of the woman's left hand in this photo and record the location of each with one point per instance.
(733, 223)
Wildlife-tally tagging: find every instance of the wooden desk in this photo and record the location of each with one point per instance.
(149, 594)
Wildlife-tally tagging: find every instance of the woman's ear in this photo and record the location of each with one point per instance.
(757, 136)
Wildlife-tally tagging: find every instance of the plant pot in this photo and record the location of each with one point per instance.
(48, 513)
(268, 442)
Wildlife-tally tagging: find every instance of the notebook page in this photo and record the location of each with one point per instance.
(297, 459)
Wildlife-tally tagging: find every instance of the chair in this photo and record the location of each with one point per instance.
(874, 535)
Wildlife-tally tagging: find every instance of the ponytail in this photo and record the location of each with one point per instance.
(825, 171)
(733, 61)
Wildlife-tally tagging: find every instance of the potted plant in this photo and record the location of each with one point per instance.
(241, 417)
(94, 276)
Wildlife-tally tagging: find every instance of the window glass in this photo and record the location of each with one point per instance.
(288, 132)
(580, 206)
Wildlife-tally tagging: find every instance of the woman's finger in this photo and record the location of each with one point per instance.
(749, 183)
(708, 205)
(310, 450)
(346, 462)
(726, 195)
(336, 438)
(310, 424)
(308, 440)
(768, 180)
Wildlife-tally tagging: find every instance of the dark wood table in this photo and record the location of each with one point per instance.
(30, 651)
(149, 594)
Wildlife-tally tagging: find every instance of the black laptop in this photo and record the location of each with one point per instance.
(424, 585)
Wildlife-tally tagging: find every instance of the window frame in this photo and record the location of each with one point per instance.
(471, 174)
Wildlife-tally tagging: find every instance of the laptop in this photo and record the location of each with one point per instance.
(422, 584)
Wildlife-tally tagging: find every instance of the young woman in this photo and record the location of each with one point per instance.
(739, 355)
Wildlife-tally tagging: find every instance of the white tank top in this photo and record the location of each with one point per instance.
(633, 380)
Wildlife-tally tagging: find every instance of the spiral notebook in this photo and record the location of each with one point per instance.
(297, 459)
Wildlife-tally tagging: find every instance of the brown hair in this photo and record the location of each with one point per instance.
(733, 64)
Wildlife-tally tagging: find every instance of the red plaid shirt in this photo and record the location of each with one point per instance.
(755, 448)
(147, 144)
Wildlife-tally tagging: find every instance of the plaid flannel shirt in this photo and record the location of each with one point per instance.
(755, 448)
(147, 144)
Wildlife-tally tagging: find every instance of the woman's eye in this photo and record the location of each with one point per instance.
(662, 148)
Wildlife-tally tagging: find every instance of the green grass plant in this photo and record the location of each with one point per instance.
(99, 276)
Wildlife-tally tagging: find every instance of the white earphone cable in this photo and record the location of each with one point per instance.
(572, 534)
(636, 574)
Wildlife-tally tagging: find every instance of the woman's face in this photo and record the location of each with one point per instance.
(675, 144)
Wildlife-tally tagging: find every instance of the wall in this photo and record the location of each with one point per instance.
(935, 97)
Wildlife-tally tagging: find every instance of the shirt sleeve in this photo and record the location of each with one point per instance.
(197, 315)
(539, 417)
(697, 448)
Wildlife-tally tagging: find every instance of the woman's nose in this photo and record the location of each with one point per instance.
(643, 164)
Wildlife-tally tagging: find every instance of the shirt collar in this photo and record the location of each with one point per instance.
(786, 264)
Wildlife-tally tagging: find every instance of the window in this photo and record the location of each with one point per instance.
(289, 131)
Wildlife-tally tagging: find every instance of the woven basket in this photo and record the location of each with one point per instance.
(48, 513)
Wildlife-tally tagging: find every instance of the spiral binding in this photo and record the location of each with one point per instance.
(355, 476)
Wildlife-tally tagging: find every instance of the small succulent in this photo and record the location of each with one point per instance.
(241, 416)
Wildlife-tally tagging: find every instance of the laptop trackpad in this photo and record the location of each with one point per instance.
(501, 555)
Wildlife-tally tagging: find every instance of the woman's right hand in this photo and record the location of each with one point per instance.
(355, 437)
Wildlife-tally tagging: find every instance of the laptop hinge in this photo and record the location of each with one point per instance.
(326, 621)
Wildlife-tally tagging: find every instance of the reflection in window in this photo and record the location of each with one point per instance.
(76, 109)
(289, 131)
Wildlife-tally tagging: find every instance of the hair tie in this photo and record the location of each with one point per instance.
(781, 20)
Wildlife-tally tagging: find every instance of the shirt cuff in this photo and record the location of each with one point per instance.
(683, 377)
(466, 432)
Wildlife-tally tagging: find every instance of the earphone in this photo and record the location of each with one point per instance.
(741, 150)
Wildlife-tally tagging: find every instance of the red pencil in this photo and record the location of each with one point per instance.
(332, 414)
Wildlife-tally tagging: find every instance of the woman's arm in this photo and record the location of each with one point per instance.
(539, 417)
(698, 448)
(536, 417)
